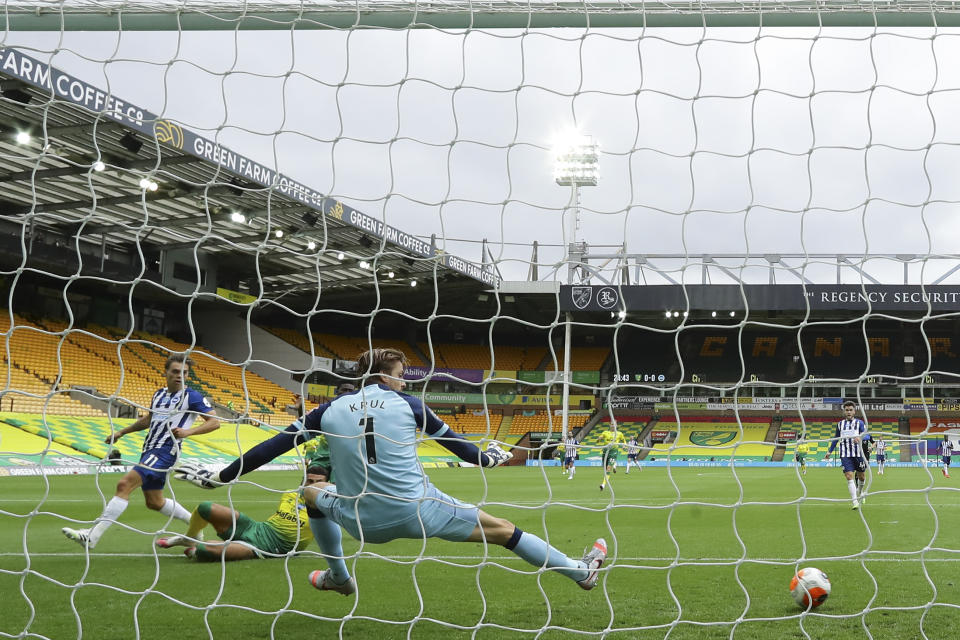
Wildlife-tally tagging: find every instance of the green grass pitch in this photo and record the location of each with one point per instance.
(694, 553)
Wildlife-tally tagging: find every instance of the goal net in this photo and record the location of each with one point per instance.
(276, 187)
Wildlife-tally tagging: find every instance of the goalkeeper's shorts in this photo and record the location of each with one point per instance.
(437, 515)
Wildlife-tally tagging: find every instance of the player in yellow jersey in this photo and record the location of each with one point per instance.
(288, 529)
(610, 440)
(800, 455)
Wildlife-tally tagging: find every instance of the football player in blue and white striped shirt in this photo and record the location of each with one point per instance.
(173, 411)
(850, 431)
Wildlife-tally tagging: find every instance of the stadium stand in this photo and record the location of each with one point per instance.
(339, 347)
(222, 382)
(42, 362)
(470, 423)
(628, 425)
(582, 359)
(543, 421)
(33, 363)
(86, 435)
(715, 437)
(820, 432)
(474, 356)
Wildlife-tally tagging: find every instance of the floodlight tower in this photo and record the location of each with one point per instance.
(576, 157)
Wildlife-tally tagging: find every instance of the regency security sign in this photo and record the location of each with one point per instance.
(765, 297)
(18, 65)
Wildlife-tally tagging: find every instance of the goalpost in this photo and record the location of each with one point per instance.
(770, 119)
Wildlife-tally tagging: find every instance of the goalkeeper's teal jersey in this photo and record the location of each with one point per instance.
(372, 436)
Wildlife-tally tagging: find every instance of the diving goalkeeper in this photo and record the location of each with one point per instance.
(382, 492)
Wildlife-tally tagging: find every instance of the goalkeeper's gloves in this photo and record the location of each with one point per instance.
(198, 475)
(496, 456)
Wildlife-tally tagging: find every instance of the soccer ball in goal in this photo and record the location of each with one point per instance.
(810, 587)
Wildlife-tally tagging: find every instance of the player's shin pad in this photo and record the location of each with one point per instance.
(198, 475)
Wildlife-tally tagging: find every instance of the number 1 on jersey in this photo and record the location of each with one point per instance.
(370, 438)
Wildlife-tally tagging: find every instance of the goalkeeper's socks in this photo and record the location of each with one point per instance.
(540, 554)
(173, 508)
(114, 508)
(328, 536)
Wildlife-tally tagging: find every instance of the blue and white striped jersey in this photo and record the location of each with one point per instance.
(847, 432)
(881, 447)
(570, 447)
(947, 449)
(633, 447)
(170, 411)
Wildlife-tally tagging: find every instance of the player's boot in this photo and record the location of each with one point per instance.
(321, 580)
(80, 536)
(593, 559)
(856, 504)
(172, 541)
(190, 552)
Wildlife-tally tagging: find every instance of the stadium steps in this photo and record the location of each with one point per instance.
(504, 427)
(589, 425)
(780, 450)
(644, 435)
(415, 348)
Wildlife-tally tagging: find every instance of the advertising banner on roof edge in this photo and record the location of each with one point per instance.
(777, 297)
(16, 64)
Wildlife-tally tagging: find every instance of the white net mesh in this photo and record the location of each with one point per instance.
(320, 161)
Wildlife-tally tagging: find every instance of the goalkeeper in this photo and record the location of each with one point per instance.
(382, 492)
(245, 538)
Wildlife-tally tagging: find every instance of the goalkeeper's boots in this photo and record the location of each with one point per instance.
(593, 559)
(80, 536)
(324, 581)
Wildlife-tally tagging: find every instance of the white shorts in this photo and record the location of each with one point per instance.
(437, 515)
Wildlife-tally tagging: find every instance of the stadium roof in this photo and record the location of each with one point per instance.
(161, 187)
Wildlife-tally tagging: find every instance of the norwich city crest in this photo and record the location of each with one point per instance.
(712, 438)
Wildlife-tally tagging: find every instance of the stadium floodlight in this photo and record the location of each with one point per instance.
(732, 313)
(148, 185)
(676, 314)
(340, 255)
(99, 166)
(575, 159)
(713, 314)
(311, 245)
(668, 314)
(413, 282)
(238, 217)
(23, 137)
(278, 233)
(686, 313)
(364, 264)
(390, 274)
(622, 314)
